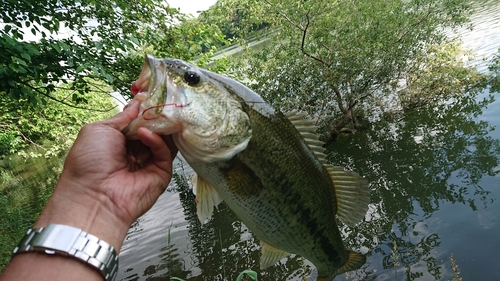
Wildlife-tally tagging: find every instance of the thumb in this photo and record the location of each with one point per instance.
(122, 119)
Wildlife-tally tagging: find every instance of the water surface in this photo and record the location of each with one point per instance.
(435, 190)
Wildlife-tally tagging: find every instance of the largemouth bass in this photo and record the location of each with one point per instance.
(268, 167)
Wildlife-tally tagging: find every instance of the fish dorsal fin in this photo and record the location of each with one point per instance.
(354, 261)
(351, 190)
(307, 129)
(352, 194)
(270, 255)
(207, 198)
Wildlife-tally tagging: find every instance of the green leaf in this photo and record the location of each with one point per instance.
(19, 61)
(15, 95)
(252, 274)
(108, 77)
(80, 68)
(32, 49)
(26, 92)
(64, 46)
(56, 46)
(128, 44)
(26, 56)
(7, 28)
(12, 84)
(135, 40)
(17, 68)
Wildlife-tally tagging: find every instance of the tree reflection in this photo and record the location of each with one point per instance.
(223, 247)
(415, 164)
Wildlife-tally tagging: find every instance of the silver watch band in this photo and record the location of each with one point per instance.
(71, 241)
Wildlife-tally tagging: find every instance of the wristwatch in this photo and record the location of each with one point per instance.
(74, 242)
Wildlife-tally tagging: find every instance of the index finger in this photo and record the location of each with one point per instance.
(122, 119)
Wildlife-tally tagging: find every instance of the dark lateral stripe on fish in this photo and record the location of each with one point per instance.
(268, 167)
(327, 246)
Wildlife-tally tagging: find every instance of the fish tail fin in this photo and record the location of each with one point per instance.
(352, 195)
(353, 262)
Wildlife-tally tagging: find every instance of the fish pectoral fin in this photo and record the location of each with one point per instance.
(354, 261)
(270, 255)
(352, 195)
(207, 198)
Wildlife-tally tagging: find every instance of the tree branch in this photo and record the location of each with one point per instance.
(286, 17)
(338, 98)
(63, 102)
(414, 26)
(27, 139)
(339, 128)
(302, 48)
(304, 33)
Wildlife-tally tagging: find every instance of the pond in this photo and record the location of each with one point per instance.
(435, 189)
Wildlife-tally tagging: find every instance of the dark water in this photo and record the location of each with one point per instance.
(435, 184)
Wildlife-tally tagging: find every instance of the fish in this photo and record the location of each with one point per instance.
(269, 167)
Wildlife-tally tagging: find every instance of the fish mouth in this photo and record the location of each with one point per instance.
(149, 83)
(142, 83)
(150, 89)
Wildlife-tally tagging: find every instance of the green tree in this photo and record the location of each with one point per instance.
(34, 138)
(48, 127)
(48, 43)
(236, 18)
(350, 64)
(62, 55)
(494, 67)
(60, 61)
(188, 40)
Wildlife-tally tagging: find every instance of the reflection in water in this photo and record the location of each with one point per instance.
(414, 165)
(434, 177)
(223, 247)
(430, 157)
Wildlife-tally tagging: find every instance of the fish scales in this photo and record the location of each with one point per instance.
(267, 170)
(307, 221)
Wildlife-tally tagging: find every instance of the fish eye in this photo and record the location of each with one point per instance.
(191, 77)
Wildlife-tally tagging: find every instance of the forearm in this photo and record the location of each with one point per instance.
(83, 211)
(44, 267)
(107, 183)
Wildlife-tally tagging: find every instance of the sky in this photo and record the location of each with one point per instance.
(191, 6)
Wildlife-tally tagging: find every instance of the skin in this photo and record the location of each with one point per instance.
(107, 183)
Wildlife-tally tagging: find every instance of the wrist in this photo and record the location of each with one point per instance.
(57, 239)
(74, 206)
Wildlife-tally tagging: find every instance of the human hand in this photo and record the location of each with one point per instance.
(109, 181)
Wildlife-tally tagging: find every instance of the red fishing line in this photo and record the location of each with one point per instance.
(160, 105)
